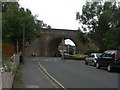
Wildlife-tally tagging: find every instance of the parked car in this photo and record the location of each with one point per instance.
(115, 66)
(109, 59)
(91, 60)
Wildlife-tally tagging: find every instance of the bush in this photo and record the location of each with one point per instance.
(76, 57)
(79, 56)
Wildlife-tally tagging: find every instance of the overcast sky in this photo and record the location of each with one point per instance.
(59, 14)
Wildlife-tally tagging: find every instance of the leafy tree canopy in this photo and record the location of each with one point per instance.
(102, 22)
(15, 19)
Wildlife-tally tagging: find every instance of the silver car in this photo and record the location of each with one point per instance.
(91, 60)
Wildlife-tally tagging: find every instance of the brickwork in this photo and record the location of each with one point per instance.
(47, 44)
(34, 47)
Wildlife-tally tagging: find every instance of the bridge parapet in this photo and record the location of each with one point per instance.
(59, 32)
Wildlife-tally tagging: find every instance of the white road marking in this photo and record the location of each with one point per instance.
(32, 86)
(46, 75)
(45, 71)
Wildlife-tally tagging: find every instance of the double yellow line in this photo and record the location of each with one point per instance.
(45, 71)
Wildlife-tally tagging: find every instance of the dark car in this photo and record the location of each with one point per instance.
(109, 59)
(115, 66)
(91, 60)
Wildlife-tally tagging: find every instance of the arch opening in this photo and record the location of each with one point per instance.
(59, 45)
(68, 47)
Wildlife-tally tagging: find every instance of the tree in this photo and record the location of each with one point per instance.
(97, 18)
(10, 22)
(16, 18)
(82, 36)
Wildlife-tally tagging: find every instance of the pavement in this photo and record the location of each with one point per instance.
(32, 76)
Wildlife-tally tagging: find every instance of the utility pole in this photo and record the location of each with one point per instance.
(17, 46)
(62, 49)
(23, 51)
(68, 48)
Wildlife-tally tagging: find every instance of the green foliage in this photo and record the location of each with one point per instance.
(8, 66)
(103, 23)
(82, 36)
(17, 73)
(15, 19)
(6, 62)
(79, 56)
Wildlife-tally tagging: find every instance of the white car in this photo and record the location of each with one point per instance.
(91, 60)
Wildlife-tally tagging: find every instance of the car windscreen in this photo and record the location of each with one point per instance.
(98, 54)
(113, 53)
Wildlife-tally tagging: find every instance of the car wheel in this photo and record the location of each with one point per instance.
(97, 66)
(86, 63)
(93, 64)
(109, 68)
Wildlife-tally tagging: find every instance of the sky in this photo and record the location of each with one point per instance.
(60, 14)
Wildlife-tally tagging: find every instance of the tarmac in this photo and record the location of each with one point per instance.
(32, 76)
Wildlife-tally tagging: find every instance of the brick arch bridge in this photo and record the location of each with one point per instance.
(47, 44)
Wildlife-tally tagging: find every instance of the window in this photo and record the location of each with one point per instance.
(104, 55)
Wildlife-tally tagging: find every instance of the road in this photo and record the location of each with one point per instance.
(75, 74)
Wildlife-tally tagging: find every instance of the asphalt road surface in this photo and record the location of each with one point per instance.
(75, 74)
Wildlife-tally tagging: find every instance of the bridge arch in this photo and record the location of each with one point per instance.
(47, 44)
(53, 45)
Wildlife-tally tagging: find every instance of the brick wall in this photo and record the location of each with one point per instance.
(8, 49)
